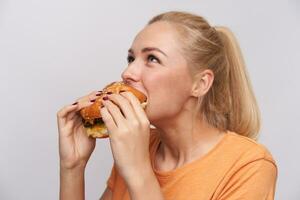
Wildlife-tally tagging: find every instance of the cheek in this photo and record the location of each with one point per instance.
(167, 94)
(164, 106)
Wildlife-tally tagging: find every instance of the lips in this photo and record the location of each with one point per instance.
(137, 88)
(143, 91)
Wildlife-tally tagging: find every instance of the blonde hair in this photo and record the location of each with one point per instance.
(230, 103)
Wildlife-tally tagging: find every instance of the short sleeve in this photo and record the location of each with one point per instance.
(112, 179)
(254, 181)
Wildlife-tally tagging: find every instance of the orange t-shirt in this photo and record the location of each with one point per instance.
(237, 168)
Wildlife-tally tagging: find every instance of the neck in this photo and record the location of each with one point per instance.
(182, 143)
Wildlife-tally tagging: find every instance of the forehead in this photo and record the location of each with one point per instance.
(159, 34)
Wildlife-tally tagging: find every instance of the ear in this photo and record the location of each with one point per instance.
(202, 83)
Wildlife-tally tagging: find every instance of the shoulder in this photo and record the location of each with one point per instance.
(251, 168)
(242, 151)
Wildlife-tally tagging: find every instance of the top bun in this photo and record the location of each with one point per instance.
(93, 111)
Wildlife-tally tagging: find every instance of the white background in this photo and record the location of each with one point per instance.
(52, 52)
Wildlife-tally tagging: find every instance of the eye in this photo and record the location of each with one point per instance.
(152, 57)
(130, 59)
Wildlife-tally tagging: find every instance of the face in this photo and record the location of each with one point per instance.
(157, 67)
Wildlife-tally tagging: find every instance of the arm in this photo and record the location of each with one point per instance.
(75, 149)
(71, 184)
(256, 180)
(129, 141)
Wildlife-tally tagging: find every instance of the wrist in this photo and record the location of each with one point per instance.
(139, 178)
(72, 166)
(71, 183)
(73, 176)
(144, 183)
(74, 170)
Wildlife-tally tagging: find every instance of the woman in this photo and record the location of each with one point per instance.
(205, 115)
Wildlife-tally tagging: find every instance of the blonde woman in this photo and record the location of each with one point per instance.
(205, 118)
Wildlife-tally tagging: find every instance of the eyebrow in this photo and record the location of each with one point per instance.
(149, 49)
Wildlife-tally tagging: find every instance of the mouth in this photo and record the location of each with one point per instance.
(137, 88)
(143, 91)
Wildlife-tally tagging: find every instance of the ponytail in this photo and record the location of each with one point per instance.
(244, 114)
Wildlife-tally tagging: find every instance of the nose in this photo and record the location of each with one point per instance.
(131, 74)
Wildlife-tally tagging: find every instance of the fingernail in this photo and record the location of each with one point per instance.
(75, 103)
(105, 98)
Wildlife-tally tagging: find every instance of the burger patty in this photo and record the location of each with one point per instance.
(91, 122)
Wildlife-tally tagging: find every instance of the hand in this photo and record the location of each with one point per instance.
(129, 133)
(75, 147)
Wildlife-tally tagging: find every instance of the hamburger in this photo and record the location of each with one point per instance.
(91, 116)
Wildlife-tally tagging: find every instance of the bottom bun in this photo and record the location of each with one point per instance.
(97, 131)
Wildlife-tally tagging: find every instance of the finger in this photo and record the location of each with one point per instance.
(71, 125)
(74, 124)
(61, 114)
(94, 95)
(124, 105)
(83, 102)
(72, 116)
(108, 120)
(91, 96)
(78, 123)
(136, 105)
(80, 105)
(114, 112)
